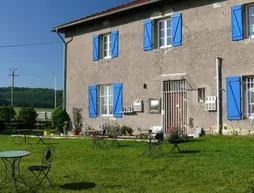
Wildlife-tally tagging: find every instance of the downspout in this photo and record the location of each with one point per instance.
(64, 69)
(219, 95)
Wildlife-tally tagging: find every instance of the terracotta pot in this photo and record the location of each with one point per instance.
(75, 132)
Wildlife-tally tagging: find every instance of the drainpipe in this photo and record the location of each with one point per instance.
(64, 69)
(219, 95)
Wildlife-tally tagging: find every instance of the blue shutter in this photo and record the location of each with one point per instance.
(233, 85)
(177, 29)
(96, 47)
(148, 28)
(92, 96)
(117, 100)
(237, 22)
(114, 43)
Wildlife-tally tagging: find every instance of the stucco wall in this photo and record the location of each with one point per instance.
(206, 35)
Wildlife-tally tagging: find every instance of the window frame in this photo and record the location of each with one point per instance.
(245, 98)
(247, 20)
(108, 36)
(101, 97)
(165, 32)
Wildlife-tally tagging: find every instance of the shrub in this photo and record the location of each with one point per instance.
(58, 118)
(112, 129)
(77, 119)
(2, 126)
(124, 129)
(130, 131)
(7, 113)
(176, 134)
(28, 115)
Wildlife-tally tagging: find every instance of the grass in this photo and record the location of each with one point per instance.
(221, 164)
(17, 109)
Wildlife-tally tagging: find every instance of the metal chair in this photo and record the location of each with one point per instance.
(44, 168)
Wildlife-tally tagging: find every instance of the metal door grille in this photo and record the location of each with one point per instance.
(174, 105)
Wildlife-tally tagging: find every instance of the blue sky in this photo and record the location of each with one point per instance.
(31, 21)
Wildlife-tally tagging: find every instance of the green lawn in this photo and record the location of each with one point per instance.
(224, 164)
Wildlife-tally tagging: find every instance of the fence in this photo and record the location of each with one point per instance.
(44, 115)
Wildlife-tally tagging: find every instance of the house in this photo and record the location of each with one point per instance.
(163, 63)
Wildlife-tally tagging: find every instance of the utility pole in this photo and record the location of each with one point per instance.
(12, 70)
(55, 91)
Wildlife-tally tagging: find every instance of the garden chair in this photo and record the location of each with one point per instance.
(44, 168)
(154, 140)
(98, 141)
(114, 138)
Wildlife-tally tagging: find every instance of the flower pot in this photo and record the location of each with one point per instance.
(75, 132)
(47, 132)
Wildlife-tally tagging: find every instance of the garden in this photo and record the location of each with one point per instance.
(205, 164)
(208, 164)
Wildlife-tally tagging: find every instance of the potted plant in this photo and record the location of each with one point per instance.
(176, 135)
(47, 131)
(77, 121)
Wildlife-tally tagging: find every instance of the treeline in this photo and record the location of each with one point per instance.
(35, 97)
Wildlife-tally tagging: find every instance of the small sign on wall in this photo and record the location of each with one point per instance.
(138, 105)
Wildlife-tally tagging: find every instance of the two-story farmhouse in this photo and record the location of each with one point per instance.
(163, 63)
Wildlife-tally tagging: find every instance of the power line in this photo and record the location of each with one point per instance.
(31, 44)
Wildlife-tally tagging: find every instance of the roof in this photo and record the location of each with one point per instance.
(111, 11)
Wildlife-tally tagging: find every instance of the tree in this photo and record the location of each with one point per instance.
(28, 115)
(7, 113)
(58, 118)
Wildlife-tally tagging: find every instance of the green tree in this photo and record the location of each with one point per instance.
(7, 113)
(58, 118)
(28, 115)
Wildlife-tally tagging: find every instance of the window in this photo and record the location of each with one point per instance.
(250, 21)
(201, 95)
(164, 33)
(248, 97)
(106, 100)
(107, 46)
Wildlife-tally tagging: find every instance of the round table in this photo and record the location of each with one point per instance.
(13, 158)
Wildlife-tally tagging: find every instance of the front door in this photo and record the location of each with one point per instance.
(174, 105)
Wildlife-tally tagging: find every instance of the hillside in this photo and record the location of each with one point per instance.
(35, 97)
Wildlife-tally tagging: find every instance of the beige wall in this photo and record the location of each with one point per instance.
(206, 35)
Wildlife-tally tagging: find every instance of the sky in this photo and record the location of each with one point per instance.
(30, 22)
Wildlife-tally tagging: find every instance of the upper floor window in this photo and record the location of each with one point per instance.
(107, 46)
(106, 100)
(164, 33)
(250, 21)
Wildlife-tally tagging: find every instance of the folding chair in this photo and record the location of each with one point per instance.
(44, 168)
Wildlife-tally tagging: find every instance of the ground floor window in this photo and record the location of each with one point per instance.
(106, 100)
(248, 97)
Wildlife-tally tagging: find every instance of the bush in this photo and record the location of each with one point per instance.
(125, 129)
(176, 134)
(58, 118)
(112, 129)
(28, 115)
(2, 126)
(7, 113)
